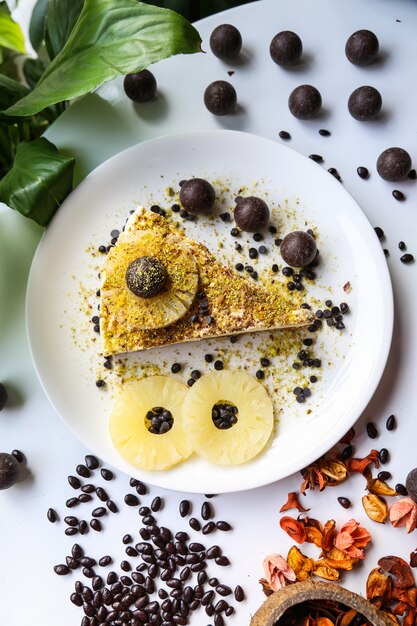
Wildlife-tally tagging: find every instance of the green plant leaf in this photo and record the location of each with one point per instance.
(10, 92)
(39, 180)
(111, 37)
(37, 24)
(33, 70)
(11, 35)
(60, 20)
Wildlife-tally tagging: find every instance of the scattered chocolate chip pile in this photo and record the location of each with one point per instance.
(165, 578)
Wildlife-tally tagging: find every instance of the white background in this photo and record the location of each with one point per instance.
(98, 126)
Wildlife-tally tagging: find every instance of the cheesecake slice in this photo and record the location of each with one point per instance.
(200, 299)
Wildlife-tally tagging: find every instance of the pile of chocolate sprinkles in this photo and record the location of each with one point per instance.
(165, 578)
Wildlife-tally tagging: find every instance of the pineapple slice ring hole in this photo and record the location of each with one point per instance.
(224, 414)
(159, 420)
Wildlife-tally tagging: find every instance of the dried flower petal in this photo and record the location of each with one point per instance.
(266, 588)
(351, 538)
(293, 528)
(395, 565)
(404, 513)
(323, 621)
(348, 617)
(277, 571)
(339, 560)
(410, 618)
(390, 615)
(335, 472)
(323, 570)
(314, 535)
(380, 488)
(361, 465)
(293, 503)
(302, 565)
(328, 535)
(312, 476)
(378, 587)
(408, 595)
(413, 558)
(375, 507)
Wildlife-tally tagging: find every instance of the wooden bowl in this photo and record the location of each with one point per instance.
(276, 604)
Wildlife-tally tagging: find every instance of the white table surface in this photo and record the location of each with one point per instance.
(104, 123)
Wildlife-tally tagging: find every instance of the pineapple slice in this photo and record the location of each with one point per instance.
(136, 313)
(129, 426)
(244, 439)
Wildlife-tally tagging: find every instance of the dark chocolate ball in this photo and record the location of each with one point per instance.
(140, 86)
(3, 396)
(9, 470)
(298, 249)
(146, 277)
(362, 47)
(411, 484)
(251, 214)
(305, 102)
(220, 97)
(286, 48)
(365, 103)
(197, 196)
(393, 164)
(225, 41)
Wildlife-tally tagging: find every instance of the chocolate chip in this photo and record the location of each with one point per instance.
(91, 462)
(106, 473)
(363, 172)
(344, 502)
(131, 500)
(82, 471)
(398, 195)
(371, 430)
(74, 482)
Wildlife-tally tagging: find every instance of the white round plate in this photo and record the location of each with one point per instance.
(63, 281)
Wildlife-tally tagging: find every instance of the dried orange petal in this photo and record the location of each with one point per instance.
(302, 565)
(324, 571)
(361, 465)
(335, 472)
(313, 535)
(390, 615)
(339, 560)
(323, 621)
(380, 488)
(293, 503)
(293, 528)
(375, 507)
(400, 569)
(378, 587)
(328, 535)
(348, 617)
(266, 587)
